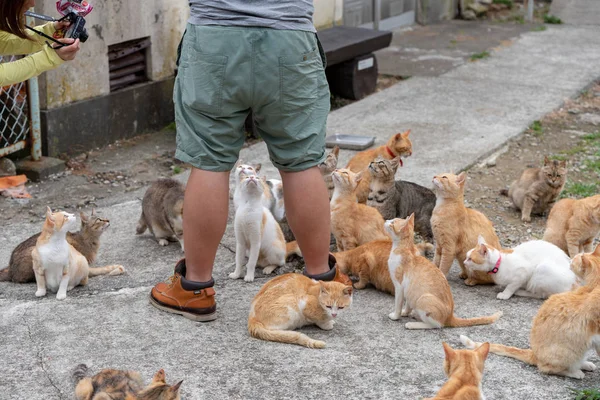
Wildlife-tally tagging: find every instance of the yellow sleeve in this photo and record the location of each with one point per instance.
(28, 67)
(14, 45)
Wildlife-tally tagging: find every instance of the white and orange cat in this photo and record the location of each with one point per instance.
(291, 301)
(272, 197)
(353, 224)
(257, 233)
(420, 287)
(57, 265)
(565, 328)
(464, 369)
(456, 227)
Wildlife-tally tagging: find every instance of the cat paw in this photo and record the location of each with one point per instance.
(470, 282)
(360, 285)
(249, 278)
(503, 296)
(463, 275)
(577, 374)
(526, 218)
(588, 366)
(61, 296)
(269, 270)
(40, 293)
(327, 326)
(163, 242)
(394, 316)
(405, 312)
(233, 275)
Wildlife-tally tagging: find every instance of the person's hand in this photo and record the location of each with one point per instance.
(67, 53)
(64, 24)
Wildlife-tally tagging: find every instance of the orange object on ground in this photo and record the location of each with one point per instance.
(14, 186)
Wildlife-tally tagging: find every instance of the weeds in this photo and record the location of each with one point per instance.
(508, 3)
(551, 19)
(177, 170)
(593, 165)
(519, 19)
(592, 137)
(579, 190)
(559, 157)
(480, 56)
(171, 126)
(586, 394)
(536, 128)
(540, 28)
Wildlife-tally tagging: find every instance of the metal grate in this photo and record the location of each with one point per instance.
(127, 63)
(14, 116)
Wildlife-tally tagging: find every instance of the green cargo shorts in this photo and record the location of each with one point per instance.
(224, 72)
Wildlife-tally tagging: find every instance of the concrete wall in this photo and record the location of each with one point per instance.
(328, 13)
(111, 22)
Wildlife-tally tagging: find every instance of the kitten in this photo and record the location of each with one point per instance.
(56, 263)
(565, 327)
(573, 224)
(456, 227)
(291, 301)
(421, 284)
(538, 188)
(122, 385)
(86, 241)
(532, 269)
(398, 145)
(277, 207)
(162, 211)
(327, 167)
(352, 223)
(272, 197)
(464, 368)
(399, 199)
(257, 233)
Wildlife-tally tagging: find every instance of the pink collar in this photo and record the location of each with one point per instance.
(495, 270)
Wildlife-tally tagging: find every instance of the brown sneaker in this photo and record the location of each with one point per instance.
(197, 304)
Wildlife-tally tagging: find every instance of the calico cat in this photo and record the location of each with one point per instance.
(115, 384)
(86, 241)
(272, 197)
(257, 233)
(421, 284)
(327, 167)
(464, 368)
(162, 211)
(456, 227)
(291, 301)
(565, 327)
(398, 145)
(399, 199)
(532, 269)
(538, 188)
(352, 223)
(56, 263)
(573, 224)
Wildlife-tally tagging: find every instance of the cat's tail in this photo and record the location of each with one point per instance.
(108, 270)
(424, 248)
(259, 331)
(292, 248)
(5, 275)
(80, 372)
(457, 322)
(141, 226)
(504, 192)
(524, 355)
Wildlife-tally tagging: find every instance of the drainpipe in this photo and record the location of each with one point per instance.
(530, 10)
(33, 97)
(376, 14)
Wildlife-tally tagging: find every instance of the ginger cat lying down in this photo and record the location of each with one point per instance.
(464, 369)
(421, 284)
(566, 326)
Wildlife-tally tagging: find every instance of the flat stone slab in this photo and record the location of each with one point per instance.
(576, 12)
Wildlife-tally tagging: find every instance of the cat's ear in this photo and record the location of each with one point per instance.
(480, 239)
(449, 351)
(336, 151)
(159, 376)
(237, 163)
(175, 387)
(395, 162)
(461, 178)
(347, 291)
(547, 160)
(322, 288)
(406, 133)
(596, 251)
(483, 351)
(562, 164)
(93, 212)
(49, 215)
(483, 249)
(84, 217)
(358, 177)
(410, 221)
(257, 167)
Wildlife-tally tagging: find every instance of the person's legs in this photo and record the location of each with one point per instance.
(307, 211)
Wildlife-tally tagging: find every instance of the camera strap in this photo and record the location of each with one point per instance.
(45, 18)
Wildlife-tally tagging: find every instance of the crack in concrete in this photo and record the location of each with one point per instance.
(227, 247)
(40, 357)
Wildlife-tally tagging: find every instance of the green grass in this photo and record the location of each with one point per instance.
(593, 165)
(579, 190)
(171, 126)
(559, 157)
(574, 150)
(480, 56)
(519, 19)
(551, 19)
(592, 137)
(586, 394)
(539, 28)
(177, 170)
(536, 128)
(508, 3)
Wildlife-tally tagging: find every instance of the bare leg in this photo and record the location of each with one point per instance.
(206, 205)
(307, 211)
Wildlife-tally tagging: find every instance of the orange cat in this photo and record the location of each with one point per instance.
(399, 145)
(566, 326)
(291, 301)
(456, 228)
(573, 224)
(352, 223)
(464, 368)
(421, 284)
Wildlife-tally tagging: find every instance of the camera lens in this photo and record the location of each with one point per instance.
(83, 35)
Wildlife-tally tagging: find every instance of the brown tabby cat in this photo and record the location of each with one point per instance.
(114, 384)
(352, 223)
(456, 227)
(291, 301)
(327, 167)
(399, 145)
(464, 368)
(573, 224)
(538, 188)
(86, 241)
(566, 326)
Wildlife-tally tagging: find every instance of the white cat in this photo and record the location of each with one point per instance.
(257, 233)
(533, 269)
(272, 197)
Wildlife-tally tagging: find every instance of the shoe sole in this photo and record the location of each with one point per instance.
(188, 315)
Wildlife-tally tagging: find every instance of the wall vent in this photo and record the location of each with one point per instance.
(128, 63)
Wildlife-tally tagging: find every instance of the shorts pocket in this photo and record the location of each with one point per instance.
(300, 76)
(202, 80)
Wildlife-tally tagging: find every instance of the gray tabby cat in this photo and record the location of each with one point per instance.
(327, 167)
(162, 211)
(86, 241)
(399, 199)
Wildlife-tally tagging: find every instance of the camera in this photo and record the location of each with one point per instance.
(77, 28)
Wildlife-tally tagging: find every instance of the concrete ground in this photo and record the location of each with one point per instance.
(456, 119)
